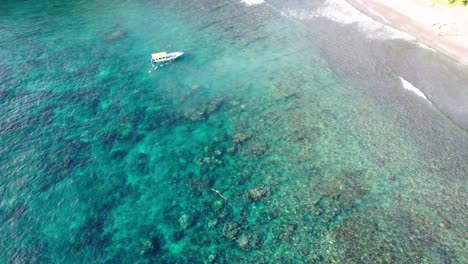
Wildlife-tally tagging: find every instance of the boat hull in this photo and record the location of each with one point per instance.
(169, 57)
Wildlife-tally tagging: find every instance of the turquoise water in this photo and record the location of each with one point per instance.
(104, 159)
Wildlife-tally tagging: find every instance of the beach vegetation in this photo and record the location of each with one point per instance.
(456, 2)
(451, 2)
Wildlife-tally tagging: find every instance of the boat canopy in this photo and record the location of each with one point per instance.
(158, 55)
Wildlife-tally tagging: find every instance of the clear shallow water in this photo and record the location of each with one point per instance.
(104, 160)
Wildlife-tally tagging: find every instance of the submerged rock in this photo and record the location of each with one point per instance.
(212, 258)
(247, 242)
(230, 230)
(444, 224)
(258, 193)
(240, 138)
(204, 111)
(112, 36)
(254, 151)
(218, 153)
(212, 223)
(186, 221)
(258, 149)
(243, 242)
(200, 183)
(149, 246)
(287, 231)
(223, 213)
(231, 150)
(207, 161)
(218, 204)
(195, 115)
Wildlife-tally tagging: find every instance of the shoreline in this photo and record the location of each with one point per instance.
(440, 27)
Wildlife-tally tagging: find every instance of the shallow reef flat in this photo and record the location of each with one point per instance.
(249, 149)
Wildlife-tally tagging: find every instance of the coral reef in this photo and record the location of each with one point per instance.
(225, 157)
(258, 193)
(204, 110)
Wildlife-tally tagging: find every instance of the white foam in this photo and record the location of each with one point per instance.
(410, 87)
(424, 46)
(252, 2)
(342, 12)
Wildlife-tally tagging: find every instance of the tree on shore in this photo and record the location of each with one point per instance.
(456, 2)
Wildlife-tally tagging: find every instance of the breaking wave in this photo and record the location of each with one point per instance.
(410, 87)
(252, 2)
(342, 12)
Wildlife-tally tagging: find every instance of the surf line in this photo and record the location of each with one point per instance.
(410, 87)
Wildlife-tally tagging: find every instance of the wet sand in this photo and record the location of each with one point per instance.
(440, 77)
(440, 27)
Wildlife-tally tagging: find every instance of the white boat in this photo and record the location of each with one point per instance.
(163, 56)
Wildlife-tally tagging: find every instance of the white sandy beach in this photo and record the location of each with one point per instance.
(440, 27)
